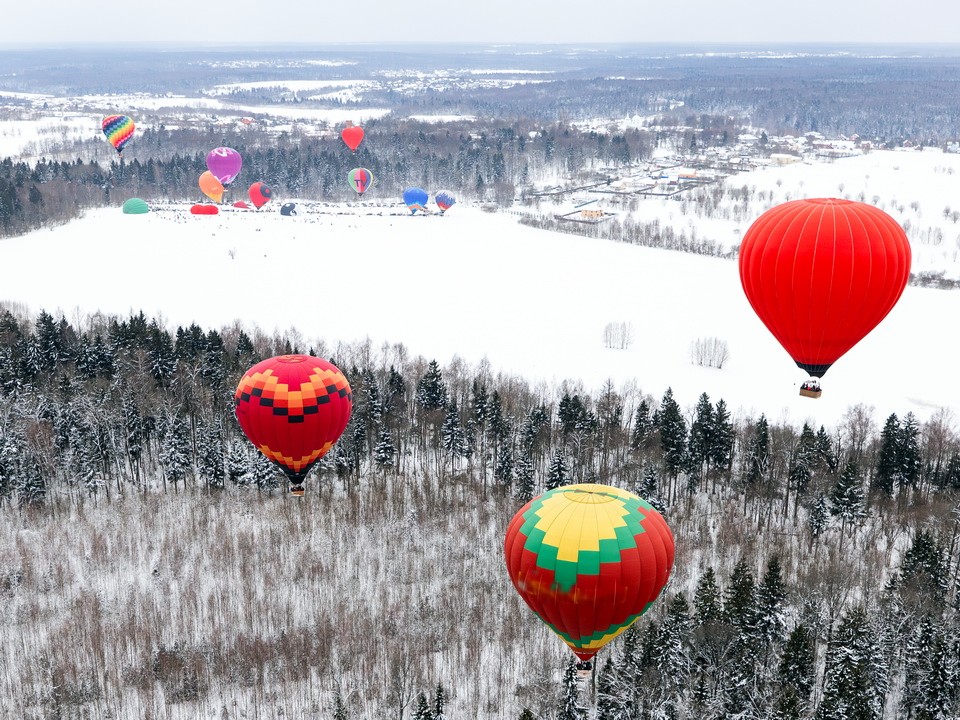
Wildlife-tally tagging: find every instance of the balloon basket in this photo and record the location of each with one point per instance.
(296, 490)
(584, 669)
(806, 392)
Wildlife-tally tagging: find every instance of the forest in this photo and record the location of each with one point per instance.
(153, 565)
(816, 575)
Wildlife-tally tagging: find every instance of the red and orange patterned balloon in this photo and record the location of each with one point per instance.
(293, 408)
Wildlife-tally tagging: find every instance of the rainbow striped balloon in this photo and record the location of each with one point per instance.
(589, 560)
(118, 129)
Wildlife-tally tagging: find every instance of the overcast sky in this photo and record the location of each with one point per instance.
(514, 21)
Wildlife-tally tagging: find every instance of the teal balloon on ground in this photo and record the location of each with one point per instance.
(135, 206)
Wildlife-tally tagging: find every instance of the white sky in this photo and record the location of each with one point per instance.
(561, 21)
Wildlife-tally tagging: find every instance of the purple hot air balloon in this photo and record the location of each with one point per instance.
(224, 163)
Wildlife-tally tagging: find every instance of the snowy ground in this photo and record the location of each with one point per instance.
(475, 285)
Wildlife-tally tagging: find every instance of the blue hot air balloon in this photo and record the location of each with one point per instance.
(416, 199)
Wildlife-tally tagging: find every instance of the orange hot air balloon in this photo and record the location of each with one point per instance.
(822, 273)
(352, 136)
(293, 408)
(589, 560)
(210, 186)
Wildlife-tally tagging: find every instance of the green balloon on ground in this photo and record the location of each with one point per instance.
(135, 206)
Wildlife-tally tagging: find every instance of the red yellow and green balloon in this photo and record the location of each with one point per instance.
(118, 130)
(589, 560)
(293, 408)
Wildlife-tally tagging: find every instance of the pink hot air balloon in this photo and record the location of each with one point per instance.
(224, 163)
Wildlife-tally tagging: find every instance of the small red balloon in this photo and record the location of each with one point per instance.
(352, 136)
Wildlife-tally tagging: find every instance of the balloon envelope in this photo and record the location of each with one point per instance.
(293, 408)
(821, 273)
(118, 129)
(135, 206)
(288, 209)
(360, 180)
(445, 201)
(211, 186)
(352, 136)
(259, 194)
(200, 209)
(415, 198)
(588, 560)
(241, 205)
(224, 163)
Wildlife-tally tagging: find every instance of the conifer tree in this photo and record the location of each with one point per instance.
(910, 452)
(643, 427)
(557, 474)
(855, 681)
(847, 501)
(803, 461)
(570, 707)
(452, 436)
(674, 659)
(886, 473)
(422, 710)
(384, 452)
(339, 709)
(758, 453)
(439, 703)
(432, 391)
(175, 449)
(795, 674)
(722, 440)
(817, 521)
(740, 601)
(701, 438)
(210, 458)
(503, 470)
(523, 477)
(649, 488)
(707, 600)
(771, 601)
(673, 433)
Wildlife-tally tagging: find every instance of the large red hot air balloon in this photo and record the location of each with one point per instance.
(352, 136)
(589, 560)
(293, 408)
(822, 273)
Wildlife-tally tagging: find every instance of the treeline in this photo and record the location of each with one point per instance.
(817, 569)
(487, 162)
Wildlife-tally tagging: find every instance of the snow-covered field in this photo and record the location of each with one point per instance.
(477, 286)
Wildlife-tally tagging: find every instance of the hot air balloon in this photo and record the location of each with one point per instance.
(288, 209)
(224, 163)
(259, 194)
(118, 130)
(444, 201)
(293, 408)
(352, 135)
(360, 180)
(200, 209)
(241, 205)
(135, 206)
(822, 273)
(211, 186)
(416, 199)
(589, 560)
